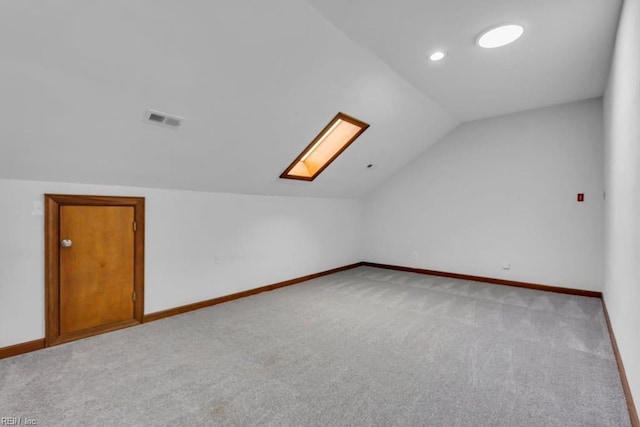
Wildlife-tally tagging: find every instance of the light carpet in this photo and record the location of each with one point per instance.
(366, 347)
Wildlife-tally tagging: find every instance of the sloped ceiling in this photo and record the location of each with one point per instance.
(255, 81)
(563, 56)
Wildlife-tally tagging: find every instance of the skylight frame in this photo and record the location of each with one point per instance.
(312, 146)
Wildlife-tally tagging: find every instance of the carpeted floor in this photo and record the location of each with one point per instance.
(362, 347)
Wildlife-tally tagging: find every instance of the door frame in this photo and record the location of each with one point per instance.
(52, 263)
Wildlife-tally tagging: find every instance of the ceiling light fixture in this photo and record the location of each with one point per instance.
(437, 56)
(500, 36)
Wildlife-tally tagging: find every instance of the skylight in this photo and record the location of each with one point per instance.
(325, 148)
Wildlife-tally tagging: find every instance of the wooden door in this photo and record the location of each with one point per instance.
(96, 271)
(94, 255)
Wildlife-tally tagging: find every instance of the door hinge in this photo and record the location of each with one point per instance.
(135, 226)
(133, 296)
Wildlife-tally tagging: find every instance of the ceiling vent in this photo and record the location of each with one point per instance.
(163, 119)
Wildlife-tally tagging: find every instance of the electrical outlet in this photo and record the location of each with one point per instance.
(414, 255)
(506, 266)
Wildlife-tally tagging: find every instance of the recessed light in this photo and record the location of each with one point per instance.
(437, 56)
(500, 36)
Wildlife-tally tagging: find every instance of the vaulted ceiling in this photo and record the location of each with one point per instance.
(563, 56)
(256, 81)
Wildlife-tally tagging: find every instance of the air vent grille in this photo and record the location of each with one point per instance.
(156, 118)
(170, 121)
(163, 119)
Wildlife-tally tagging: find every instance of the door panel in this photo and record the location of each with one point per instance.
(97, 271)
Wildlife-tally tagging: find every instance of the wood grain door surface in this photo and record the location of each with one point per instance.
(97, 270)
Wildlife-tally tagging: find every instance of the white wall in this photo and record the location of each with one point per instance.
(622, 183)
(257, 240)
(500, 190)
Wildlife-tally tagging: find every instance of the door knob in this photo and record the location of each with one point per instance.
(66, 243)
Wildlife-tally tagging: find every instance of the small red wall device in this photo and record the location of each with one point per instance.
(581, 197)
